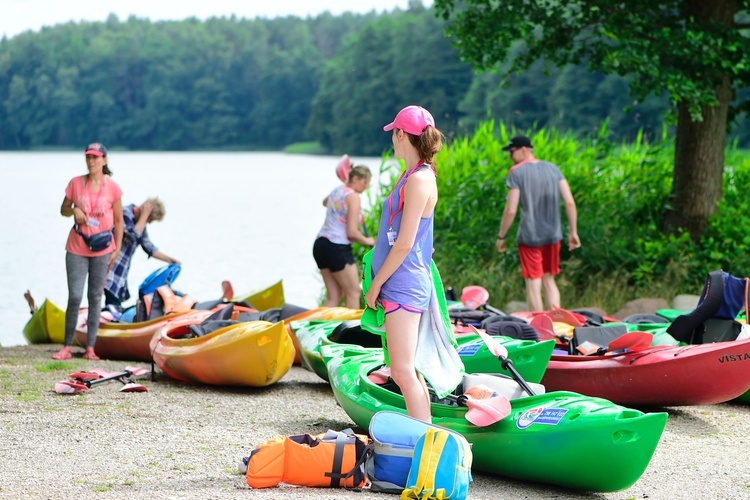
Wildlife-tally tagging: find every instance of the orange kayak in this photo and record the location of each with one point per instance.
(129, 341)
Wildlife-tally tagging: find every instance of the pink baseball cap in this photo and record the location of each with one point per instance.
(412, 119)
(96, 149)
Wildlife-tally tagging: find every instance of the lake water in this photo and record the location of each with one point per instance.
(250, 218)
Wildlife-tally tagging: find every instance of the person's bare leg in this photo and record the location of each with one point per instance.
(30, 301)
(401, 329)
(534, 294)
(348, 281)
(551, 292)
(334, 294)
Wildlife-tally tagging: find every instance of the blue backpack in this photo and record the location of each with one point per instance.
(395, 437)
(440, 468)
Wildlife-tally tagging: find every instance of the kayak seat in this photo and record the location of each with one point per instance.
(501, 384)
(351, 332)
(723, 297)
(639, 319)
(592, 318)
(209, 326)
(600, 336)
(465, 316)
(512, 329)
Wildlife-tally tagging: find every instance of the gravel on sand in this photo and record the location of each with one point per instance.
(183, 441)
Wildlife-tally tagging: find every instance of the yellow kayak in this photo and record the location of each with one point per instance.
(253, 353)
(46, 326)
(265, 299)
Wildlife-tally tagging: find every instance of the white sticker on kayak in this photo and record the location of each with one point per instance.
(541, 415)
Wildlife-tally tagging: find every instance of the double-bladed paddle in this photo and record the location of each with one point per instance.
(82, 381)
(501, 353)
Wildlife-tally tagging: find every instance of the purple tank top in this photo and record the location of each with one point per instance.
(411, 283)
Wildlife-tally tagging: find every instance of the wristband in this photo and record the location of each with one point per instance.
(500, 237)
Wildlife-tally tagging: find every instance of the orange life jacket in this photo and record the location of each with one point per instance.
(333, 459)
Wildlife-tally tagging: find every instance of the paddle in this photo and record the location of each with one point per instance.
(485, 406)
(502, 354)
(30, 301)
(128, 384)
(82, 381)
(475, 297)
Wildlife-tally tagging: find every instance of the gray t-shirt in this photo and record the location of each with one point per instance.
(539, 182)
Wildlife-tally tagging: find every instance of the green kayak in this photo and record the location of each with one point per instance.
(530, 357)
(46, 325)
(562, 438)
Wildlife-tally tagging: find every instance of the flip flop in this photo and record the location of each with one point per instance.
(91, 355)
(62, 354)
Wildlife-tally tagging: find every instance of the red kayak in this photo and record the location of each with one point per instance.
(657, 376)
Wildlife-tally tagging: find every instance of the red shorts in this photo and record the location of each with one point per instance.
(538, 261)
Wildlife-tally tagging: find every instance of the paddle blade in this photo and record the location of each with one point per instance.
(565, 316)
(343, 167)
(133, 387)
(137, 370)
(474, 296)
(227, 291)
(544, 327)
(632, 341)
(493, 345)
(91, 375)
(70, 387)
(380, 376)
(484, 412)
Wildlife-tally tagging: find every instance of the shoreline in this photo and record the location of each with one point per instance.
(186, 441)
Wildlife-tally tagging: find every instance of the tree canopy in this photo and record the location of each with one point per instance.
(697, 52)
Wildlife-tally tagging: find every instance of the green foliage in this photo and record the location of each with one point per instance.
(377, 72)
(665, 45)
(621, 191)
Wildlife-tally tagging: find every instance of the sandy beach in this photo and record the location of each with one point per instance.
(182, 441)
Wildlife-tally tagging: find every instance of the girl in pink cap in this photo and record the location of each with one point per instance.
(402, 280)
(95, 203)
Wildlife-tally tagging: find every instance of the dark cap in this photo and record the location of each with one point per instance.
(519, 141)
(96, 149)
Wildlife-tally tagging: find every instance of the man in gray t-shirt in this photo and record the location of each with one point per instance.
(538, 186)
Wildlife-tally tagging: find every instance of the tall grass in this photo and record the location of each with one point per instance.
(621, 192)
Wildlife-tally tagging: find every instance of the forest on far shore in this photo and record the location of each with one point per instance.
(263, 84)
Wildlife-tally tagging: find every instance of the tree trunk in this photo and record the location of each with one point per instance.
(698, 177)
(697, 182)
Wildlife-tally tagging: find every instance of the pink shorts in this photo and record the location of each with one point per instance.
(394, 306)
(538, 261)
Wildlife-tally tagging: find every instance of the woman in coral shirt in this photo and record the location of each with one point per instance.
(95, 202)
